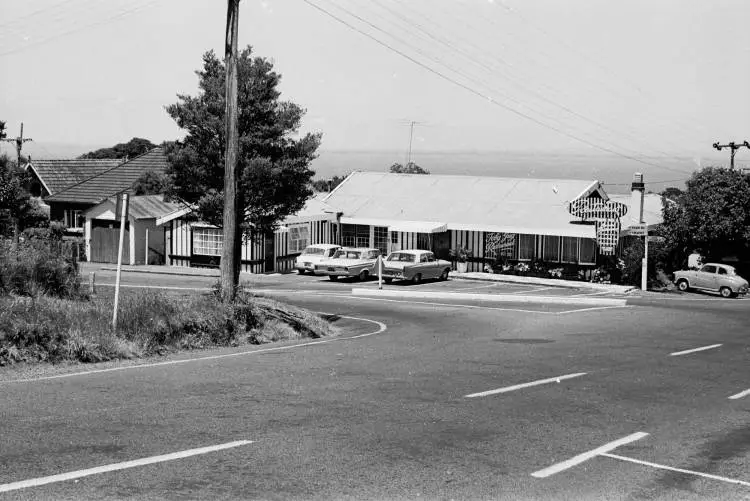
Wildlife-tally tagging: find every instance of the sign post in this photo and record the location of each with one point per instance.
(641, 230)
(122, 208)
(380, 271)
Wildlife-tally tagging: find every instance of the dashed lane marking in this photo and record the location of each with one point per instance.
(62, 477)
(576, 460)
(694, 350)
(525, 385)
(679, 470)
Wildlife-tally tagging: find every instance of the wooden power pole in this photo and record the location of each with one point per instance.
(229, 253)
(733, 147)
(19, 146)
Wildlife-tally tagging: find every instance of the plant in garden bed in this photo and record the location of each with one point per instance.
(461, 255)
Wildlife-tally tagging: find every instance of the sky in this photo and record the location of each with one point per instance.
(647, 85)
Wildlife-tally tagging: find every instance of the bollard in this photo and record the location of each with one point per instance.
(92, 281)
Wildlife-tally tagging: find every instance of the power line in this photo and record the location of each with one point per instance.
(477, 93)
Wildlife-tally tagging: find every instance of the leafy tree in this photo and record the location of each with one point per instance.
(325, 185)
(410, 168)
(151, 183)
(713, 215)
(3, 134)
(274, 178)
(133, 148)
(672, 193)
(17, 210)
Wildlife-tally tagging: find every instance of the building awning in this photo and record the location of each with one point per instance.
(397, 225)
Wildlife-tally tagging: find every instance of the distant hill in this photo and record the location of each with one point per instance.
(133, 148)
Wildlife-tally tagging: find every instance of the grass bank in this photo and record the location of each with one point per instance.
(47, 329)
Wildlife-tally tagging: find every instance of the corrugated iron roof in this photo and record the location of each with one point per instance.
(112, 181)
(652, 209)
(141, 207)
(57, 175)
(498, 204)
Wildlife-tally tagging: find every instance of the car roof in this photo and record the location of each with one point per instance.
(719, 264)
(412, 251)
(324, 246)
(358, 249)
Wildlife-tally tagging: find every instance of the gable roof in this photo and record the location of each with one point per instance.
(56, 175)
(493, 204)
(652, 209)
(114, 180)
(140, 207)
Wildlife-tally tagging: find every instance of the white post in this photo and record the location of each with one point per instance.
(644, 264)
(146, 262)
(380, 272)
(123, 218)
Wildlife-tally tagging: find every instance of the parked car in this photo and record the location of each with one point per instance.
(312, 255)
(414, 265)
(717, 277)
(350, 262)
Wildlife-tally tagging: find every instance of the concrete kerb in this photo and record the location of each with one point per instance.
(495, 298)
(490, 277)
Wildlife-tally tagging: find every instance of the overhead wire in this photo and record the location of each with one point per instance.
(477, 93)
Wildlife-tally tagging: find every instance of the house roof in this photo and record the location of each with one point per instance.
(56, 175)
(114, 180)
(140, 207)
(494, 204)
(652, 213)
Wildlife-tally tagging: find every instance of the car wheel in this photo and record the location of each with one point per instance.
(300, 272)
(683, 285)
(387, 280)
(444, 275)
(363, 275)
(417, 278)
(333, 278)
(726, 292)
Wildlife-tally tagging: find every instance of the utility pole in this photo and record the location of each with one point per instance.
(411, 124)
(229, 252)
(19, 144)
(733, 147)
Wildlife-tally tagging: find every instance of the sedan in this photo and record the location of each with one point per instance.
(713, 277)
(312, 255)
(350, 262)
(414, 265)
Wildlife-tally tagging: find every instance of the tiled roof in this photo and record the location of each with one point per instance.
(56, 175)
(113, 181)
(493, 204)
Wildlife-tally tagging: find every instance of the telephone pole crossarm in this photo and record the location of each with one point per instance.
(733, 147)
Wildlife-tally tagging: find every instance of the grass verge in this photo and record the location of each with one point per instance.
(48, 329)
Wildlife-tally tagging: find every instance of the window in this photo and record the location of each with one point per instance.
(722, 271)
(501, 244)
(73, 218)
(314, 251)
(588, 251)
(551, 248)
(423, 241)
(401, 256)
(355, 235)
(709, 269)
(526, 247)
(394, 237)
(381, 238)
(207, 241)
(427, 257)
(299, 237)
(570, 250)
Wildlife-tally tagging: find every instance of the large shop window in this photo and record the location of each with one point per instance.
(588, 251)
(424, 241)
(526, 247)
(551, 248)
(381, 239)
(207, 241)
(355, 235)
(299, 236)
(570, 250)
(504, 245)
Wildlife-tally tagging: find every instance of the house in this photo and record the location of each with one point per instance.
(69, 203)
(520, 219)
(197, 244)
(49, 177)
(145, 237)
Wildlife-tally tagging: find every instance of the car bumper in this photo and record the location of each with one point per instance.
(304, 266)
(398, 275)
(335, 273)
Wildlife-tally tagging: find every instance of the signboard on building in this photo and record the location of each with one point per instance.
(638, 230)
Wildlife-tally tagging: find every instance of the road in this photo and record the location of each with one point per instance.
(436, 406)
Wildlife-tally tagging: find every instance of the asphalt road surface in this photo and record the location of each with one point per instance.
(414, 401)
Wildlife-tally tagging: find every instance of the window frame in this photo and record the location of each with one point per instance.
(545, 247)
(199, 246)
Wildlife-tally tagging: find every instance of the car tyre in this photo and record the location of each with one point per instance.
(333, 278)
(300, 272)
(683, 285)
(364, 275)
(387, 280)
(444, 275)
(726, 292)
(416, 278)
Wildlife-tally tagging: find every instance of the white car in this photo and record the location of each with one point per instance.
(350, 262)
(312, 255)
(414, 265)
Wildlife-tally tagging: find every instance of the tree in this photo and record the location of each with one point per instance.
(274, 178)
(672, 193)
(3, 134)
(326, 185)
(713, 215)
(410, 168)
(151, 183)
(133, 148)
(16, 207)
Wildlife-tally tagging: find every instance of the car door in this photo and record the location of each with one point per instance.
(705, 278)
(430, 265)
(722, 278)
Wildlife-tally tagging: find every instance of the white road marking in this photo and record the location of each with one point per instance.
(702, 348)
(468, 306)
(477, 287)
(532, 290)
(576, 460)
(740, 395)
(679, 470)
(381, 328)
(594, 308)
(525, 385)
(593, 293)
(62, 477)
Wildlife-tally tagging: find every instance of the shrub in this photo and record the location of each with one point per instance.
(38, 266)
(460, 254)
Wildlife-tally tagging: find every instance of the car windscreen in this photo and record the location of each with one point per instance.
(313, 251)
(343, 254)
(400, 256)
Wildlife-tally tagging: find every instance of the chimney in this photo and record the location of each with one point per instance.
(637, 190)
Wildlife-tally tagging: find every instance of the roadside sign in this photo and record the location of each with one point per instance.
(638, 230)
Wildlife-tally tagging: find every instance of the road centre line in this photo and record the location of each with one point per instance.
(525, 385)
(381, 328)
(62, 477)
(679, 470)
(740, 395)
(702, 348)
(576, 460)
